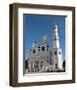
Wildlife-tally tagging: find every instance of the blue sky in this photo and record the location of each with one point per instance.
(35, 26)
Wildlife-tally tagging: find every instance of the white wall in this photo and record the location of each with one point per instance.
(4, 44)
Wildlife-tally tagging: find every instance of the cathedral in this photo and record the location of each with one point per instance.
(44, 58)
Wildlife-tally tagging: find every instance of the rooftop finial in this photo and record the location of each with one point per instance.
(44, 38)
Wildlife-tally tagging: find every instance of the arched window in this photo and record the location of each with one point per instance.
(43, 48)
(55, 39)
(33, 50)
(55, 52)
(47, 49)
(38, 49)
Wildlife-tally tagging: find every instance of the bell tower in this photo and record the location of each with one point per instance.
(57, 52)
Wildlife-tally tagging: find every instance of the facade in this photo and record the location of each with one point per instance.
(44, 58)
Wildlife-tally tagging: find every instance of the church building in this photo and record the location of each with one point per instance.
(45, 58)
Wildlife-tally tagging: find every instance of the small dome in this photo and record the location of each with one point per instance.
(35, 44)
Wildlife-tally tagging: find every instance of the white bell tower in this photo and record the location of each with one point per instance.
(57, 52)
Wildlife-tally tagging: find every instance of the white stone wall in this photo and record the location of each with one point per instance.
(39, 56)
